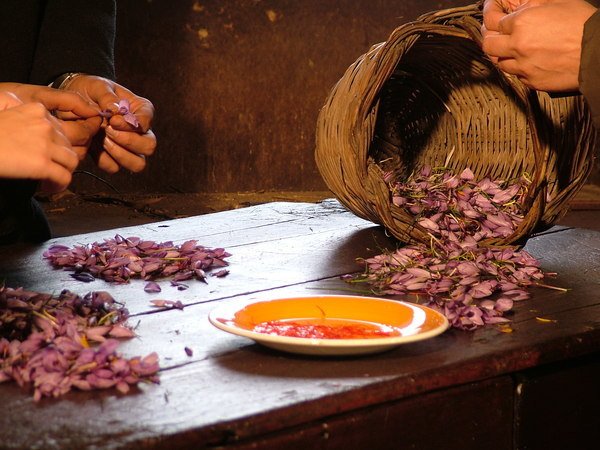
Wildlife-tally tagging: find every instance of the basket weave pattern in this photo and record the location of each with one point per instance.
(428, 95)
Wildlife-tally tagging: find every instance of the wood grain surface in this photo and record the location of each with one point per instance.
(232, 392)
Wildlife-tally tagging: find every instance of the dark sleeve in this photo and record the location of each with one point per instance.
(75, 36)
(589, 70)
(19, 27)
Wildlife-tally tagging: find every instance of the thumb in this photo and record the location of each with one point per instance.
(105, 97)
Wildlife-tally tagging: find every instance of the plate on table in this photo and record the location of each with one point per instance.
(330, 324)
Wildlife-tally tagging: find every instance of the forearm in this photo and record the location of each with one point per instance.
(589, 73)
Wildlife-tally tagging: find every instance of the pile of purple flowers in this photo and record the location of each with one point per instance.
(45, 343)
(472, 284)
(119, 259)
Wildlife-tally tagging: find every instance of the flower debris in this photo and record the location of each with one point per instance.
(45, 343)
(119, 259)
(167, 304)
(471, 284)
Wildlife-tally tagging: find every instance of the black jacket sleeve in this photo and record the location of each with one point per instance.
(75, 36)
(41, 40)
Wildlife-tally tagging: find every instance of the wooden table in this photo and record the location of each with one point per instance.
(536, 387)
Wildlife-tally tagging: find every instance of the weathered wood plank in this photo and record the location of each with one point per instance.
(433, 421)
(557, 406)
(244, 390)
(232, 387)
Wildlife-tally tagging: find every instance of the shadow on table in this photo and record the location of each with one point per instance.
(411, 358)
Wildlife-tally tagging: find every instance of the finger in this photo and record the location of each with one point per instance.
(506, 24)
(80, 132)
(106, 98)
(485, 33)
(498, 45)
(100, 157)
(106, 162)
(69, 115)
(527, 82)
(496, 10)
(81, 151)
(143, 144)
(126, 159)
(8, 100)
(493, 59)
(140, 106)
(65, 157)
(57, 180)
(510, 65)
(61, 166)
(118, 122)
(529, 4)
(58, 135)
(51, 129)
(143, 111)
(492, 14)
(66, 102)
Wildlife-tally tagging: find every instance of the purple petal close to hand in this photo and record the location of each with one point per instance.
(125, 111)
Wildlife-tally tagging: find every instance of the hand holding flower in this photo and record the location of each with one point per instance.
(128, 134)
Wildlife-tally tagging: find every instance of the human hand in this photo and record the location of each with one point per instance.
(124, 145)
(79, 119)
(540, 42)
(33, 145)
(495, 10)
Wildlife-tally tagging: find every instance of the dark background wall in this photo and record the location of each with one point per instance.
(238, 84)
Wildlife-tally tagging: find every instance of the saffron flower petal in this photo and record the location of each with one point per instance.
(152, 287)
(472, 285)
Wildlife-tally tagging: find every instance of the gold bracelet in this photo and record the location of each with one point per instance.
(64, 80)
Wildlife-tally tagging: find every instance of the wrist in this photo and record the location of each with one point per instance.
(63, 81)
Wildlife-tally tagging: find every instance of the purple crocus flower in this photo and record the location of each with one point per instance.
(128, 116)
(123, 109)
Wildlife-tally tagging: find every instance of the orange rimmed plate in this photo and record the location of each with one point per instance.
(398, 323)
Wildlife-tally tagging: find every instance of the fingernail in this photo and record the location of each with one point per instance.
(108, 142)
(111, 131)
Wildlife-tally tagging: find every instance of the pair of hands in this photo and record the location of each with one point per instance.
(35, 144)
(539, 41)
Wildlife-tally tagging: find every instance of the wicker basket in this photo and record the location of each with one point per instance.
(428, 95)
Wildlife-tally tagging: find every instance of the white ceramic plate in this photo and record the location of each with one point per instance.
(402, 322)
